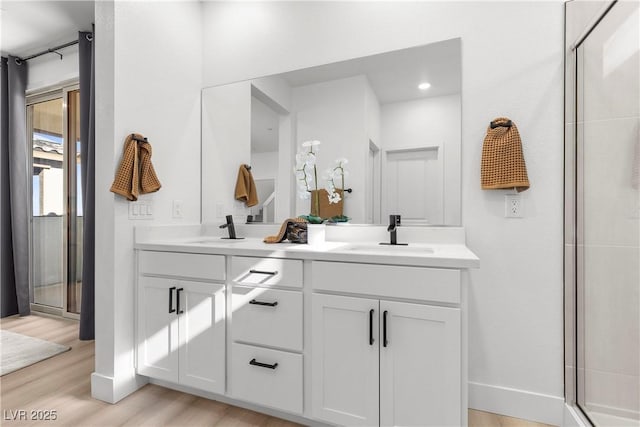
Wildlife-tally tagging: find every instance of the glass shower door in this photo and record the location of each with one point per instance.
(608, 218)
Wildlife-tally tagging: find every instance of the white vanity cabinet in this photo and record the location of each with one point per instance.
(180, 321)
(312, 335)
(380, 362)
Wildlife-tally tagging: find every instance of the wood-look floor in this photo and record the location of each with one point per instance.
(62, 384)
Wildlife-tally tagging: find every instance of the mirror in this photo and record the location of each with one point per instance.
(402, 143)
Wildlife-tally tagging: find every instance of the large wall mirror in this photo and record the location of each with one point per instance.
(402, 141)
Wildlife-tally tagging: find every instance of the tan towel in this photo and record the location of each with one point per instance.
(246, 187)
(503, 163)
(282, 233)
(135, 174)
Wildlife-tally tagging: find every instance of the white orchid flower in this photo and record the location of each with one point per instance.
(310, 160)
(336, 173)
(329, 186)
(301, 157)
(334, 198)
(304, 195)
(311, 143)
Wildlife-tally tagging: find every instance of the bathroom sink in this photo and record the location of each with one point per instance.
(212, 240)
(410, 249)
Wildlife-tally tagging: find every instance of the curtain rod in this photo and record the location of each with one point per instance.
(55, 49)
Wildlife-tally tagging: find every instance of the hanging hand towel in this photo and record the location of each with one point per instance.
(246, 187)
(135, 174)
(502, 158)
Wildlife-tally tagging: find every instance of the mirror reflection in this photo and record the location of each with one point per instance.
(395, 117)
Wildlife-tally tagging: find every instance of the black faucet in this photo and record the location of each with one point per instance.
(394, 222)
(231, 228)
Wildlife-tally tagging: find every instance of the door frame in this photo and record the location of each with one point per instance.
(49, 93)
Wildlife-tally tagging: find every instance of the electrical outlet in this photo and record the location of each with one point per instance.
(177, 208)
(513, 206)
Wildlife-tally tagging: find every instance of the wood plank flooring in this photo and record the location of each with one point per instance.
(62, 384)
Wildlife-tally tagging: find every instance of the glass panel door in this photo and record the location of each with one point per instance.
(74, 173)
(608, 219)
(48, 205)
(56, 226)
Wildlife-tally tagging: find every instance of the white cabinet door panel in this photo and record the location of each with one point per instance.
(202, 336)
(157, 329)
(345, 362)
(419, 365)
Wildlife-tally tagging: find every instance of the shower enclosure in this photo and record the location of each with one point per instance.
(602, 211)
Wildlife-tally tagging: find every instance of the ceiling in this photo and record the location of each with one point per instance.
(28, 27)
(394, 76)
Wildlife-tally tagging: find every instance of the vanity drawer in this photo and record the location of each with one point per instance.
(278, 386)
(420, 283)
(267, 317)
(197, 266)
(267, 271)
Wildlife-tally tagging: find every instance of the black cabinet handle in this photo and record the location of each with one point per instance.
(180, 311)
(384, 328)
(270, 304)
(263, 365)
(171, 309)
(371, 340)
(268, 273)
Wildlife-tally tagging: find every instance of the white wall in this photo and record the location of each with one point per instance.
(429, 121)
(264, 165)
(226, 144)
(333, 112)
(516, 342)
(48, 70)
(149, 76)
(372, 190)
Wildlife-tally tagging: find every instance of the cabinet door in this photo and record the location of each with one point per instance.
(419, 365)
(345, 360)
(157, 329)
(202, 336)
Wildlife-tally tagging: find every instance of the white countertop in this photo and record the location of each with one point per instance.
(423, 254)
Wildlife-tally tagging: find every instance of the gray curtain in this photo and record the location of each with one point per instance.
(87, 158)
(14, 176)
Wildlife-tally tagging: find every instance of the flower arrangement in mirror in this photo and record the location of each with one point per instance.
(307, 177)
(336, 173)
(306, 173)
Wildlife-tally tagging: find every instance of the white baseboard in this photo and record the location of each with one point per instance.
(542, 408)
(572, 418)
(613, 411)
(111, 390)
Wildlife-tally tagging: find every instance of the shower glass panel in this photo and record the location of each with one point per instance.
(608, 218)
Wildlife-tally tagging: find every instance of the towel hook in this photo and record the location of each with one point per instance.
(506, 124)
(135, 138)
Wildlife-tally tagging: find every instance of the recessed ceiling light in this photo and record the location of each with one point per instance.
(424, 86)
